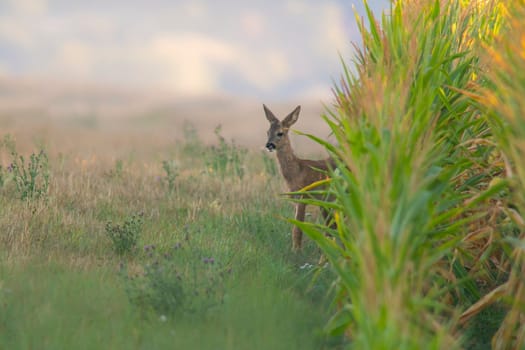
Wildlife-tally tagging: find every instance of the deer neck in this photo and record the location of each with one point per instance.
(288, 161)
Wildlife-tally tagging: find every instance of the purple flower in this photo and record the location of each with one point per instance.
(208, 260)
(149, 247)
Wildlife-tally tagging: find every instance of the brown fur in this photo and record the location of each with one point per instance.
(297, 172)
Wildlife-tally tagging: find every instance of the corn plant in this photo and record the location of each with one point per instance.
(502, 95)
(412, 186)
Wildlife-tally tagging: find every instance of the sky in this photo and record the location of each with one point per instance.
(269, 49)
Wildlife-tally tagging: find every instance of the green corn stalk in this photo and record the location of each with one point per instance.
(412, 177)
(502, 96)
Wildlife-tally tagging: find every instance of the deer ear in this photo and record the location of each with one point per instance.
(269, 115)
(292, 117)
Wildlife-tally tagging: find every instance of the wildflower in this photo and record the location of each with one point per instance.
(163, 318)
(306, 266)
(208, 261)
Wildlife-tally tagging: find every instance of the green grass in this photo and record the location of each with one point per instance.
(49, 306)
(61, 281)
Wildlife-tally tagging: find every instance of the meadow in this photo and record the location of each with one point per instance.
(155, 244)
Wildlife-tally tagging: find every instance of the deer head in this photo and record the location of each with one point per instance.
(279, 129)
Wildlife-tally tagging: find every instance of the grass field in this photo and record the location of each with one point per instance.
(63, 284)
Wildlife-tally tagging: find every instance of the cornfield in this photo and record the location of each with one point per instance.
(428, 194)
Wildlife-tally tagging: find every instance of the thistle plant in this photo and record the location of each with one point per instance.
(125, 236)
(171, 170)
(225, 159)
(31, 176)
(179, 280)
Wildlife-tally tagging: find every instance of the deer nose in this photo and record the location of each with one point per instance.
(270, 146)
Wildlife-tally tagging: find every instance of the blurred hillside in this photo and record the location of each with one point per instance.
(28, 104)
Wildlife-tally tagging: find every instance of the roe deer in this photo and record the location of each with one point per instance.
(297, 172)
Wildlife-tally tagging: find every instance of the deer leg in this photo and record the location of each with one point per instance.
(297, 234)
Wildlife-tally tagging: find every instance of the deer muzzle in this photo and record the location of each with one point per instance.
(270, 146)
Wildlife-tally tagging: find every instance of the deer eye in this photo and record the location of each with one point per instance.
(280, 133)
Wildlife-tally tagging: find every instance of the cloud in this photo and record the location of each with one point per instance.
(253, 24)
(194, 63)
(191, 61)
(192, 47)
(12, 32)
(265, 70)
(28, 7)
(332, 28)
